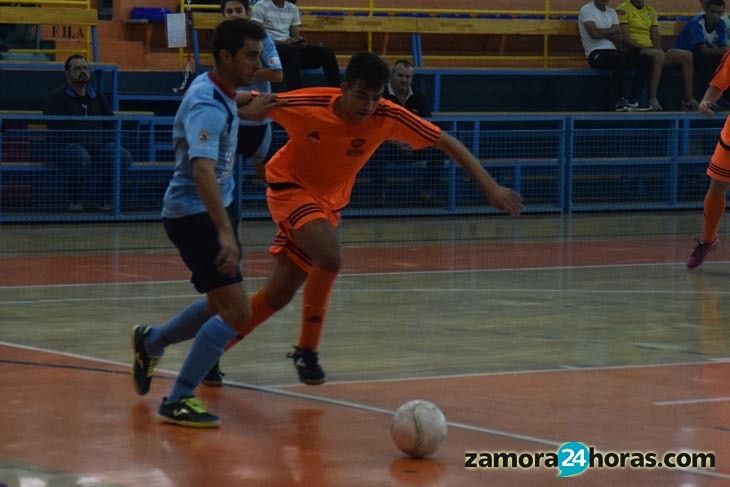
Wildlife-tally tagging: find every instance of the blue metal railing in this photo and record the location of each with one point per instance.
(560, 163)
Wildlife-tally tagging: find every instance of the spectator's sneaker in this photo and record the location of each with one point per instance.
(622, 106)
(75, 207)
(632, 104)
(187, 411)
(306, 361)
(215, 375)
(144, 364)
(690, 105)
(654, 105)
(700, 252)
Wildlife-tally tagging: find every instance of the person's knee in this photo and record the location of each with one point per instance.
(235, 314)
(330, 259)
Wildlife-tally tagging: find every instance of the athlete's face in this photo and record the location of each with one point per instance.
(246, 62)
(358, 102)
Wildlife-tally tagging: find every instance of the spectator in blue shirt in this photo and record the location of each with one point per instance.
(706, 36)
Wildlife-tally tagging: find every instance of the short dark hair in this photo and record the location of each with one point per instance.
(368, 68)
(231, 35)
(245, 3)
(719, 3)
(67, 64)
(402, 62)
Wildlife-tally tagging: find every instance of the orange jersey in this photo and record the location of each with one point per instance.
(324, 153)
(721, 79)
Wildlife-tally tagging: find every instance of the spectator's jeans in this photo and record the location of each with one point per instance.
(614, 60)
(294, 58)
(86, 172)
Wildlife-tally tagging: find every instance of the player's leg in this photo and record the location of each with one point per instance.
(319, 241)
(180, 406)
(714, 205)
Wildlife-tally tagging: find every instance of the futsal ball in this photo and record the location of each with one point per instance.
(418, 428)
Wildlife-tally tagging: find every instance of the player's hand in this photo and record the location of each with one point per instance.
(706, 108)
(229, 254)
(259, 106)
(506, 199)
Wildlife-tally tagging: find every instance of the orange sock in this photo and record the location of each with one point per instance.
(261, 310)
(317, 291)
(714, 209)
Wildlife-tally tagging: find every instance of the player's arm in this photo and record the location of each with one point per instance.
(499, 196)
(255, 106)
(207, 185)
(708, 101)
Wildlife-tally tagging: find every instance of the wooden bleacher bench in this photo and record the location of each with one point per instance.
(60, 13)
(417, 26)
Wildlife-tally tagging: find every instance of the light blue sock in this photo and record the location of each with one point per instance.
(184, 326)
(207, 348)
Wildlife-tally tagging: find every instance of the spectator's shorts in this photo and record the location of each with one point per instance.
(196, 238)
(292, 207)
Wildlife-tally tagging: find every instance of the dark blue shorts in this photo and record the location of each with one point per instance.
(196, 238)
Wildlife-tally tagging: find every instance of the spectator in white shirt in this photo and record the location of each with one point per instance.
(601, 34)
(281, 20)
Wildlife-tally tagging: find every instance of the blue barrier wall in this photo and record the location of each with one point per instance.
(560, 163)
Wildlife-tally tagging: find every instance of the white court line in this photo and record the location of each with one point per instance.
(340, 290)
(679, 402)
(365, 407)
(366, 274)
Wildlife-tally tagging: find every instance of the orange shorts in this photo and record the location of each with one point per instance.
(292, 208)
(719, 167)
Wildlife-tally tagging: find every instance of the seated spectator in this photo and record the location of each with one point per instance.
(400, 90)
(281, 20)
(85, 149)
(706, 36)
(600, 34)
(725, 18)
(641, 37)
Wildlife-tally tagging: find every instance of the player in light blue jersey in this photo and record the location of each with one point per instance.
(199, 218)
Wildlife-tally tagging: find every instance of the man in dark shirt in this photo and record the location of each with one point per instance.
(85, 148)
(400, 90)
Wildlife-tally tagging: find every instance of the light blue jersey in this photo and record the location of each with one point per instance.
(206, 125)
(269, 60)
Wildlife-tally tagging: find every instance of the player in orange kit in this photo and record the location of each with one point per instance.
(332, 134)
(718, 169)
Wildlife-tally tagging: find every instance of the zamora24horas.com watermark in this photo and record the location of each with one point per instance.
(574, 458)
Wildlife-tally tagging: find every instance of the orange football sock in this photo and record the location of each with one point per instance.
(714, 209)
(317, 291)
(261, 310)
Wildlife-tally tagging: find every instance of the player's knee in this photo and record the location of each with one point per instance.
(236, 314)
(330, 261)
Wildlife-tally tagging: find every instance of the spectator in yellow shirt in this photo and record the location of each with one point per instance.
(641, 37)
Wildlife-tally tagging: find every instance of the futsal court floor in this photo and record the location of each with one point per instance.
(527, 333)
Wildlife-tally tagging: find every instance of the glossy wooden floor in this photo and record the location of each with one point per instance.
(527, 333)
